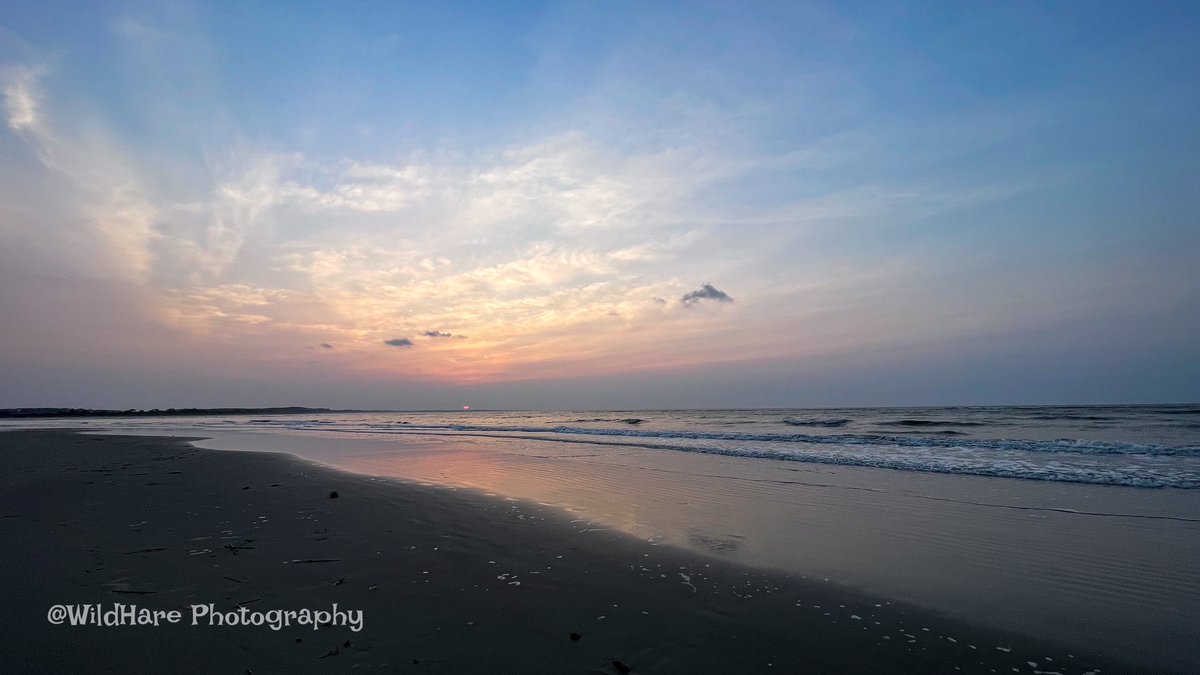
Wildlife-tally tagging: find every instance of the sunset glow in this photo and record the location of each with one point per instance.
(545, 206)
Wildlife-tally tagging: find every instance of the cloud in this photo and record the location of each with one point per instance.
(138, 32)
(536, 244)
(706, 292)
(22, 98)
(110, 229)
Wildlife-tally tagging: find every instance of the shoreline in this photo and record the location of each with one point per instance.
(1077, 564)
(448, 580)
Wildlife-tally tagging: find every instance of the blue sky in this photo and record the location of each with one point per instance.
(506, 204)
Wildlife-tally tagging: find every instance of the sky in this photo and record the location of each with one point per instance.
(412, 205)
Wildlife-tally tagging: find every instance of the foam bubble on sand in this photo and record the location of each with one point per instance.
(687, 581)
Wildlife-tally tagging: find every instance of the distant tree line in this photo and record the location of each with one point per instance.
(88, 412)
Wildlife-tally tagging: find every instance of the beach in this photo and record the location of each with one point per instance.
(446, 579)
(570, 337)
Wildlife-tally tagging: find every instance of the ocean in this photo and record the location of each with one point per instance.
(1139, 445)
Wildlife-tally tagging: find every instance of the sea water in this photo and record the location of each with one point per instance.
(1140, 445)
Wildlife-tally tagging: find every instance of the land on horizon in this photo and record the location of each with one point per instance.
(160, 412)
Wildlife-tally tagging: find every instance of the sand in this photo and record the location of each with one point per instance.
(447, 580)
(1108, 568)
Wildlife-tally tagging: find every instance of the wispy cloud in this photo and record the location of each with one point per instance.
(537, 246)
(566, 248)
(115, 226)
(21, 98)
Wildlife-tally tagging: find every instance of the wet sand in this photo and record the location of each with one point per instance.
(1110, 568)
(447, 580)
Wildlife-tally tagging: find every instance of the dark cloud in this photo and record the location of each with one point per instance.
(706, 292)
(325, 345)
(440, 334)
(399, 342)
